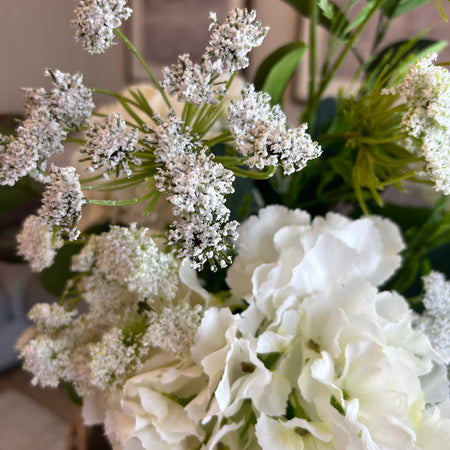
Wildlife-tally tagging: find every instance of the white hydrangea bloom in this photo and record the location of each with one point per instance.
(37, 243)
(231, 41)
(262, 135)
(426, 91)
(110, 145)
(336, 351)
(294, 434)
(266, 239)
(95, 22)
(146, 415)
(191, 83)
(62, 201)
(196, 186)
(129, 256)
(70, 103)
(435, 320)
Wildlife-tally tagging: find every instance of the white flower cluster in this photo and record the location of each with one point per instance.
(62, 202)
(47, 359)
(110, 146)
(227, 52)
(48, 115)
(115, 359)
(262, 135)
(191, 82)
(95, 22)
(320, 359)
(435, 320)
(51, 316)
(196, 186)
(111, 337)
(426, 90)
(231, 41)
(326, 359)
(146, 413)
(173, 330)
(70, 103)
(37, 243)
(129, 257)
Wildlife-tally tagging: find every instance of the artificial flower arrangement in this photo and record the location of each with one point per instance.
(302, 326)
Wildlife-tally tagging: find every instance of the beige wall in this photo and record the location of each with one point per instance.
(36, 34)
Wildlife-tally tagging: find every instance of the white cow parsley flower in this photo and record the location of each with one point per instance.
(70, 103)
(110, 146)
(191, 83)
(47, 358)
(426, 91)
(37, 243)
(130, 257)
(173, 329)
(435, 320)
(50, 316)
(261, 134)
(48, 115)
(231, 41)
(114, 359)
(38, 137)
(196, 186)
(62, 201)
(95, 22)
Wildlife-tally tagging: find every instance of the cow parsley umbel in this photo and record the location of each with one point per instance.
(196, 186)
(62, 201)
(38, 243)
(426, 91)
(110, 145)
(232, 41)
(95, 22)
(262, 135)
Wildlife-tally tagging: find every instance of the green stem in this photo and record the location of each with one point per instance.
(132, 201)
(145, 66)
(222, 138)
(252, 174)
(230, 160)
(76, 141)
(332, 72)
(312, 55)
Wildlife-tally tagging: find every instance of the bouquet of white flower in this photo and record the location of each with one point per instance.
(301, 327)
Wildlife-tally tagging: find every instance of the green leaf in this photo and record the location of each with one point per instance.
(303, 7)
(393, 61)
(441, 11)
(54, 278)
(359, 19)
(395, 8)
(275, 72)
(13, 196)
